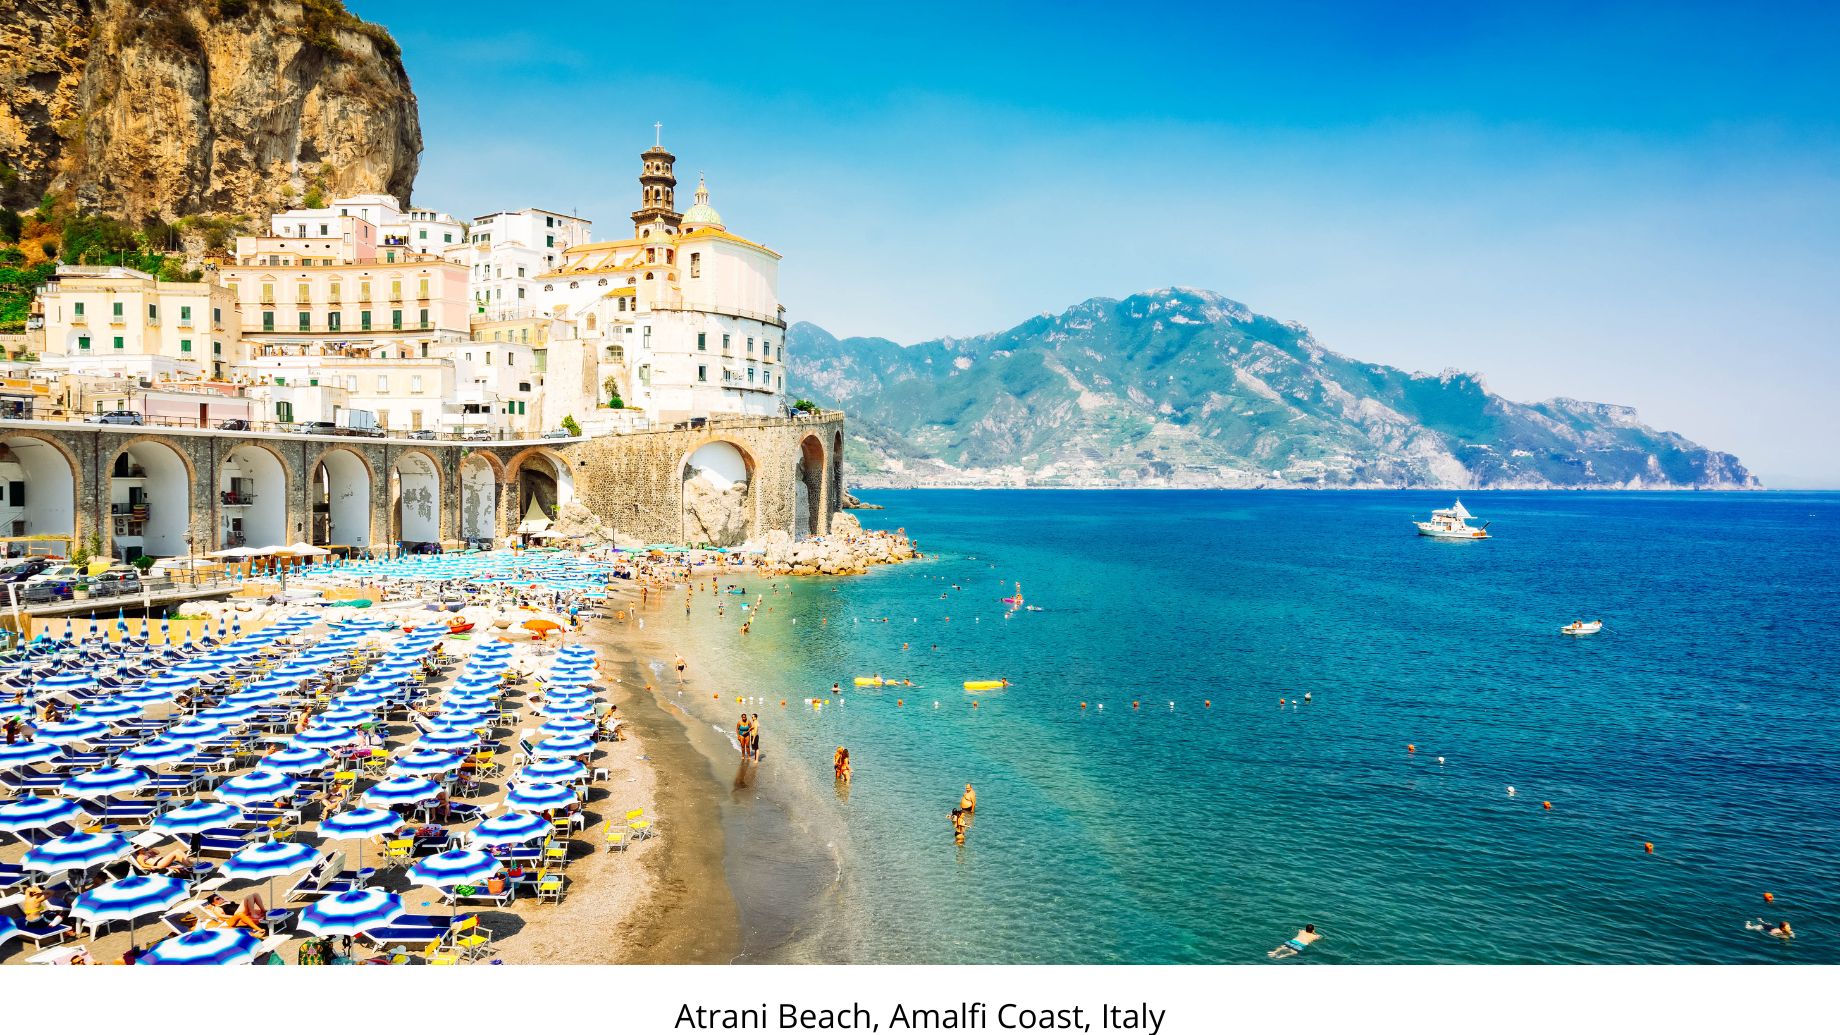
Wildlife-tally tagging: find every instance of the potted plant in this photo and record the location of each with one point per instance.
(79, 590)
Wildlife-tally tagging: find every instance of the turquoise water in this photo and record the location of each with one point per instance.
(1703, 720)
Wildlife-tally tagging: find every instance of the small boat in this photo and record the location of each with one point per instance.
(1032, 607)
(456, 628)
(1581, 628)
(1452, 523)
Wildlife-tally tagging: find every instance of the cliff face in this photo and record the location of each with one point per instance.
(1185, 388)
(164, 108)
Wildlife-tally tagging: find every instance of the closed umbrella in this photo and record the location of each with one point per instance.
(349, 913)
(216, 947)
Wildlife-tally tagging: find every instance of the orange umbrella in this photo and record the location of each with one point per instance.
(541, 625)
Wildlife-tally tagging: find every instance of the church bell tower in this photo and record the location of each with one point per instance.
(657, 187)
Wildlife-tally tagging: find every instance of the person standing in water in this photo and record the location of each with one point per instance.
(744, 736)
(960, 820)
(681, 663)
(968, 803)
(754, 732)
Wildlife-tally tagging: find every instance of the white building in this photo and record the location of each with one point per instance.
(505, 252)
(418, 229)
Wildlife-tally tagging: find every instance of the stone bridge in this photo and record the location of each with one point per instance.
(182, 491)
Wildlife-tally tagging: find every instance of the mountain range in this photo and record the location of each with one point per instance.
(1184, 388)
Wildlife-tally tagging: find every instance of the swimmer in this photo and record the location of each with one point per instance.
(1296, 945)
(1780, 930)
(1306, 697)
(836, 688)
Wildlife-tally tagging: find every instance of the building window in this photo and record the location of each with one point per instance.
(750, 375)
(396, 319)
(351, 382)
(305, 295)
(415, 384)
(185, 344)
(702, 373)
(83, 342)
(268, 321)
(424, 319)
(724, 344)
(185, 314)
(523, 386)
(306, 321)
(217, 348)
(116, 312)
(549, 240)
(750, 346)
(333, 291)
(696, 265)
(217, 317)
(332, 321)
(364, 320)
(284, 411)
(383, 382)
(79, 306)
(118, 343)
(364, 290)
(268, 293)
(702, 341)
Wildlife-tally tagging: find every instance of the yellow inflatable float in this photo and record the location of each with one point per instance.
(986, 684)
(872, 681)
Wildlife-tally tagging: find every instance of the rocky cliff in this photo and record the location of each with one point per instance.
(1186, 388)
(149, 109)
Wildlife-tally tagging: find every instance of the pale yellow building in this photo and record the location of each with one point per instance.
(114, 321)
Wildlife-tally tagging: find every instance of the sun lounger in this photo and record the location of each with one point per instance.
(414, 928)
(324, 879)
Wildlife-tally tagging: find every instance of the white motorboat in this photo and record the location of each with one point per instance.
(1581, 628)
(1452, 523)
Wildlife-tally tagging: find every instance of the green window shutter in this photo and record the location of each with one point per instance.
(185, 344)
(118, 342)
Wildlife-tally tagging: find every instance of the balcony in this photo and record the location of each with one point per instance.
(236, 499)
(233, 539)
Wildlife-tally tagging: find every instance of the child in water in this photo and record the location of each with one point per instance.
(960, 820)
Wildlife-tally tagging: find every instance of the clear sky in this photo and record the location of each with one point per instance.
(1628, 203)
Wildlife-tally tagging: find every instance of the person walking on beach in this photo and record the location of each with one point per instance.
(681, 663)
(744, 736)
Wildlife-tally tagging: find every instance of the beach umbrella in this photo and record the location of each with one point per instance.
(568, 710)
(145, 695)
(250, 695)
(257, 786)
(359, 824)
(568, 727)
(111, 709)
(171, 681)
(460, 866)
(553, 770)
(402, 790)
(159, 751)
(556, 747)
(216, 947)
(268, 861)
(345, 716)
(196, 816)
(100, 783)
(15, 756)
(9, 929)
(73, 680)
(426, 763)
(36, 814)
(349, 913)
(448, 739)
(8, 710)
(539, 797)
(361, 699)
(510, 828)
(129, 899)
(76, 852)
(323, 737)
(229, 712)
(70, 732)
(195, 730)
(297, 760)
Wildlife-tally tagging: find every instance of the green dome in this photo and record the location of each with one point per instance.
(701, 213)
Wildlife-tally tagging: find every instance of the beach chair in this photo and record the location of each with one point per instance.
(550, 887)
(412, 928)
(638, 824)
(556, 856)
(615, 838)
(398, 852)
(472, 941)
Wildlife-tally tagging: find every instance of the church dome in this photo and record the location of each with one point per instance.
(701, 214)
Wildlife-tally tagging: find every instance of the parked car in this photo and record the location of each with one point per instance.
(25, 571)
(316, 427)
(45, 592)
(57, 573)
(115, 417)
(482, 435)
(422, 435)
(234, 424)
(558, 433)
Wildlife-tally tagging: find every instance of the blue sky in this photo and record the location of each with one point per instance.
(1629, 203)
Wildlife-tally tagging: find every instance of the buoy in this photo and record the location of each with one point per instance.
(1412, 749)
(1082, 705)
(898, 702)
(1547, 805)
(1440, 760)
(935, 704)
(1172, 706)
(1649, 847)
(1102, 707)
(1767, 897)
(1207, 704)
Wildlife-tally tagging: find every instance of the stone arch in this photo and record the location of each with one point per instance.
(339, 490)
(808, 489)
(252, 497)
(719, 504)
(415, 498)
(45, 500)
(148, 499)
(481, 474)
(551, 490)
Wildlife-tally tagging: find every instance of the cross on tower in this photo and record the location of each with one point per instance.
(658, 133)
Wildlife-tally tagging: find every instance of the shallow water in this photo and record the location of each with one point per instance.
(1701, 720)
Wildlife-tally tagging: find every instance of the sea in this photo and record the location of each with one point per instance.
(1235, 713)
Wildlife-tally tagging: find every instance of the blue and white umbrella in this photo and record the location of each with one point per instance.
(345, 716)
(111, 709)
(71, 732)
(229, 713)
(37, 814)
(76, 852)
(129, 898)
(359, 823)
(257, 786)
(14, 756)
(350, 912)
(568, 727)
(273, 859)
(324, 737)
(214, 948)
(460, 866)
(195, 816)
(553, 770)
(561, 747)
(448, 739)
(358, 699)
(101, 783)
(426, 763)
(539, 797)
(9, 929)
(510, 828)
(73, 680)
(569, 710)
(145, 695)
(195, 730)
(402, 790)
(159, 751)
(296, 760)
(177, 683)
